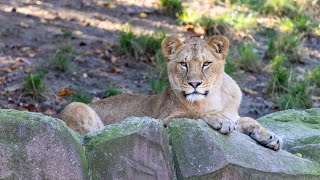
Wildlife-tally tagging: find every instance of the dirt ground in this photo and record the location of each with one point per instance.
(31, 30)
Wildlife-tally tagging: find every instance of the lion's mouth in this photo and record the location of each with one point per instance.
(195, 92)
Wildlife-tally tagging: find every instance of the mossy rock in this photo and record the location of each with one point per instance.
(202, 153)
(300, 130)
(136, 148)
(35, 146)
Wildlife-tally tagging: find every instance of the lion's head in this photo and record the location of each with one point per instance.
(195, 67)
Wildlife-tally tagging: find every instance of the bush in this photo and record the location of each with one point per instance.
(314, 76)
(112, 90)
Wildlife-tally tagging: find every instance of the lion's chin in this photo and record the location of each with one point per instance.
(195, 97)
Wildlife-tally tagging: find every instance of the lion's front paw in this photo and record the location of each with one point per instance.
(223, 125)
(267, 138)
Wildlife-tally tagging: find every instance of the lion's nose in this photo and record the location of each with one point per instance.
(194, 83)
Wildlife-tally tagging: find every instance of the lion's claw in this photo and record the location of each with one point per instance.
(222, 125)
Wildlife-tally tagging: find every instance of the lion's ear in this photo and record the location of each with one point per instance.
(220, 44)
(170, 45)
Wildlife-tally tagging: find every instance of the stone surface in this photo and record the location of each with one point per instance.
(136, 148)
(34, 146)
(202, 153)
(300, 130)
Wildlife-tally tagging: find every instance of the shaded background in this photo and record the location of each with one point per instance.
(56, 52)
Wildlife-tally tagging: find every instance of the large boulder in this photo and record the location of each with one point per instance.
(202, 153)
(300, 130)
(136, 148)
(34, 146)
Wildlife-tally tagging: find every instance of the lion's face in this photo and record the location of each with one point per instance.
(195, 67)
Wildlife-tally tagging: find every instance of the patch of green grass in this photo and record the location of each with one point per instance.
(249, 59)
(297, 96)
(286, 91)
(287, 43)
(279, 75)
(140, 46)
(314, 76)
(79, 96)
(62, 59)
(245, 22)
(34, 85)
(274, 7)
(160, 65)
(172, 6)
(303, 23)
(188, 16)
(216, 26)
(158, 85)
(231, 66)
(112, 90)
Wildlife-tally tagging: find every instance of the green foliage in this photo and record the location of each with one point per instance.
(244, 22)
(286, 91)
(287, 43)
(297, 96)
(112, 90)
(303, 23)
(34, 85)
(139, 46)
(158, 85)
(275, 7)
(62, 59)
(314, 76)
(79, 96)
(188, 17)
(279, 76)
(172, 6)
(249, 59)
(230, 67)
(161, 65)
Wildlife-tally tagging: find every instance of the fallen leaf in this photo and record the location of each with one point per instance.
(65, 92)
(115, 70)
(2, 79)
(6, 70)
(114, 59)
(24, 60)
(24, 25)
(249, 91)
(143, 15)
(30, 107)
(49, 112)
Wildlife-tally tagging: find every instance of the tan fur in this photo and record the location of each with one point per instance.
(199, 89)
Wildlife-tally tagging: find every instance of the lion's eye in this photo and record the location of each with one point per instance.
(183, 64)
(206, 64)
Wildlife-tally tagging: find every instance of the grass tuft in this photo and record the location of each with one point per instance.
(314, 76)
(62, 59)
(172, 6)
(142, 47)
(287, 43)
(34, 85)
(79, 96)
(112, 90)
(249, 59)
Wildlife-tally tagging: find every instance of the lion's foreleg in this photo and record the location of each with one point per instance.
(263, 136)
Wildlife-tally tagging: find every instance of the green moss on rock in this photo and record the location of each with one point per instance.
(202, 153)
(33, 141)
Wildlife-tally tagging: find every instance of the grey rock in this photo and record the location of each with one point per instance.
(136, 148)
(34, 146)
(299, 129)
(202, 153)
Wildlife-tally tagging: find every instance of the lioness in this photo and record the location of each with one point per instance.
(199, 89)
